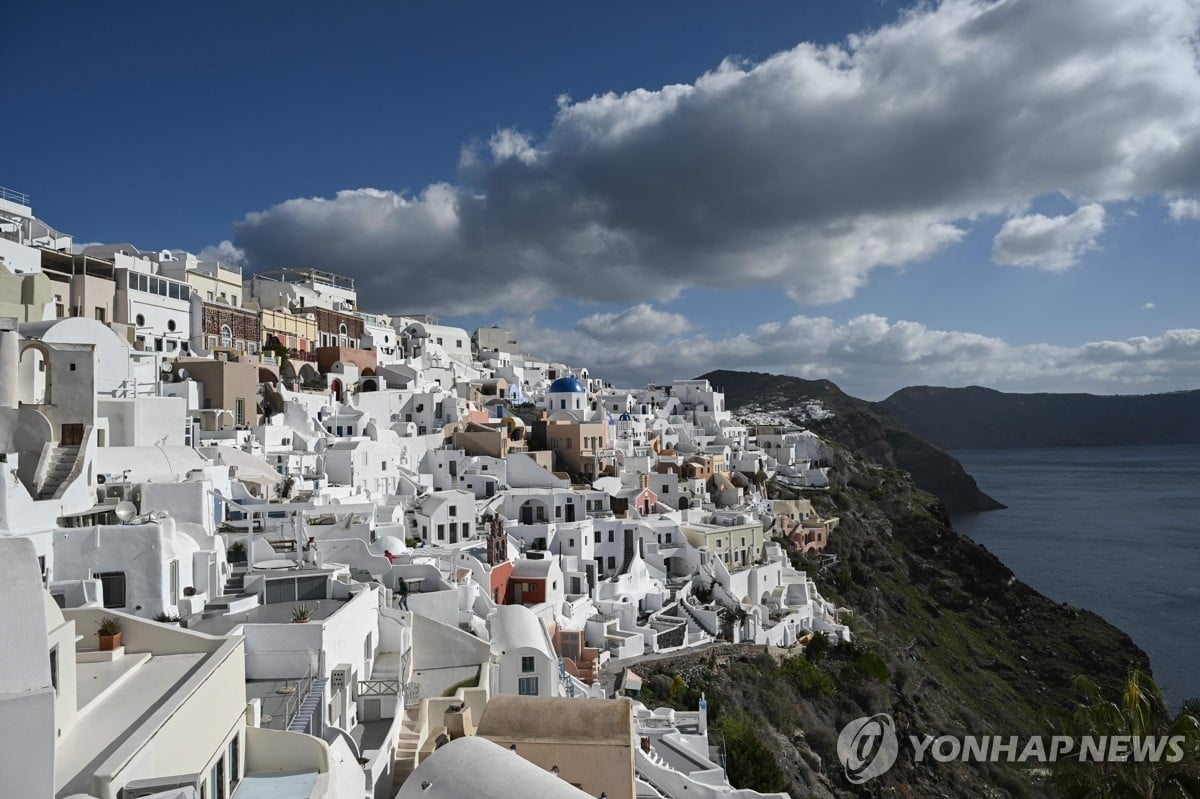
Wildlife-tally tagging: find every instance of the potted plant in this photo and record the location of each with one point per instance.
(236, 552)
(301, 614)
(167, 618)
(109, 633)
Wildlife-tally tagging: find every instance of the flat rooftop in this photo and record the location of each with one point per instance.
(121, 700)
(281, 785)
(277, 613)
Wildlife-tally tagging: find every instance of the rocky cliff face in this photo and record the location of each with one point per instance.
(947, 641)
(859, 426)
(981, 418)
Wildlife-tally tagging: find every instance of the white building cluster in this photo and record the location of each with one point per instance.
(355, 555)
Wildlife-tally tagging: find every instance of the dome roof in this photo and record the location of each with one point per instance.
(567, 385)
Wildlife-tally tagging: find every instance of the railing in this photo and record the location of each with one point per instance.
(291, 705)
(18, 197)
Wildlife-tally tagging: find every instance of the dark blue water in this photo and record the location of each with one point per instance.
(1115, 530)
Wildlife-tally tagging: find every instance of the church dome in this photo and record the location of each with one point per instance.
(567, 385)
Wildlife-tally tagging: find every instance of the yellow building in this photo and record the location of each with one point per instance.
(736, 539)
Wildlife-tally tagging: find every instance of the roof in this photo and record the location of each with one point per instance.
(558, 719)
(517, 627)
(474, 766)
(567, 385)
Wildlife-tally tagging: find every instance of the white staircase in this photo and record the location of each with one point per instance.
(60, 462)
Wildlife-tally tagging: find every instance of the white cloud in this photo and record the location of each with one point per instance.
(1148, 306)
(805, 172)
(1184, 208)
(637, 323)
(872, 356)
(1051, 243)
(225, 252)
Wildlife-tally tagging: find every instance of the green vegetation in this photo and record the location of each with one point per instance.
(748, 761)
(807, 677)
(1139, 712)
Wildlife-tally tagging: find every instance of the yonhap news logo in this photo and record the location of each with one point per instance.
(867, 747)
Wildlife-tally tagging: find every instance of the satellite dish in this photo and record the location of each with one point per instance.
(182, 374)
(125, 510)
(167, 365)
(101, 479)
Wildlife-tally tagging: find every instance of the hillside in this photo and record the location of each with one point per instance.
(858, 425)
(947, 641)
(981, 418)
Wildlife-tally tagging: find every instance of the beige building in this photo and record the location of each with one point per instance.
(734, 538)
(589, 743)
(228, 393)
(579, 447)
(211, 280)
(27, 297)
(297, 333)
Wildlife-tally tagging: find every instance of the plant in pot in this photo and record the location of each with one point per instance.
(237, 552)
(167, 618)
(301, 614)
(109, 632)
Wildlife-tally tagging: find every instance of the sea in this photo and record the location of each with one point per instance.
(1115, 530)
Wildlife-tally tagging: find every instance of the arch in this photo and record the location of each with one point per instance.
(684, 504)
(34, 371)
(226, 336)
(335, 386)
(533, 511)
(368, 384)
(308, 373)
(368, 372)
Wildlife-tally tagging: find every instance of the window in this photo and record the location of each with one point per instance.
(171, 325)
(174, 581)
(208, 296)
(441, 534)
(54, 668)
(612, 562)
(453, 509)
(527, 664)
(239, 413)
(226, 336)
(113, 585)
(140, 320)
(99, 313)
(234, 760)
(527, 686)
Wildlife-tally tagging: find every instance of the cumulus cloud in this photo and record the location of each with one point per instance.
(807, 171)
(226, 252)
(871, 356)
(1051, 243)
(637, 323)
(1184, 208)
(1148, 306)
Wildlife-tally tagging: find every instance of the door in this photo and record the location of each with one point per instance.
(570, 511)
(72, 435)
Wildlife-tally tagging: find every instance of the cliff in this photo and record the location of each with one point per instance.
(947, 641)
(981, 418)
(858, 425)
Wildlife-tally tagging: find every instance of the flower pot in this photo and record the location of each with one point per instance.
(110, 642)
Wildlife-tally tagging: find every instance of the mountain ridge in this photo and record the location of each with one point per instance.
(858, 425)
(976, 417)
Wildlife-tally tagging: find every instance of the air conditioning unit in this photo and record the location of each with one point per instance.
(340, 677)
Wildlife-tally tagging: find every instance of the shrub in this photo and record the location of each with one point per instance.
(807, 677)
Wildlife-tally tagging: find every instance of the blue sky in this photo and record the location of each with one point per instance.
(865, 191)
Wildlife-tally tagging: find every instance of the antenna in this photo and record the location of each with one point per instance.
(125, 511)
